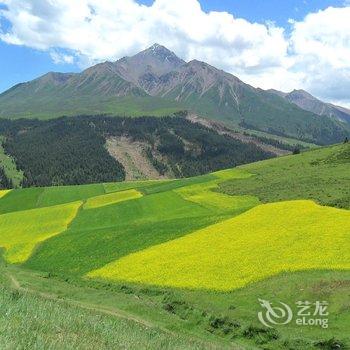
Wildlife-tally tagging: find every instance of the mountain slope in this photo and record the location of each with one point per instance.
(219, 95)
(306, 101)
(56, 94)
(157, 82)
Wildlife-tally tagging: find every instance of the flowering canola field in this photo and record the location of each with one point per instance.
(21, 231)
(3, 193)
(111, 198)
(262, 242)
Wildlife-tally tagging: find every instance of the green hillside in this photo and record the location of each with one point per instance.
(188, 258)
(320, 175)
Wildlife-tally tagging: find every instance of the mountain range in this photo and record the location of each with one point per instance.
(306, 101)
(155, 82)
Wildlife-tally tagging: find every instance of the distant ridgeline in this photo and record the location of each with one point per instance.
(90, 149)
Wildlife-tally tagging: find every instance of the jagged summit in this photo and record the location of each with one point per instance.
(161, 53)
(147, 66)
(301, 93)
(157, 48)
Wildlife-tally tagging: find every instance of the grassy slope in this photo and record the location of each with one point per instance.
(48, 324)
(95, 91)
(322, 175)
(158, 220)
(31, 321)
(49, 108)
(9, 166)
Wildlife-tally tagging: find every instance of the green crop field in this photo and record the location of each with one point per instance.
(22, 231)
(180, 264)
(188, 261)
(3, 192)
(111, 198)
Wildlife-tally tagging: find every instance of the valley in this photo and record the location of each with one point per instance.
(181, 263)
(174, 175)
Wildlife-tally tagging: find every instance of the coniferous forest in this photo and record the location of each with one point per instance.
(69, 150)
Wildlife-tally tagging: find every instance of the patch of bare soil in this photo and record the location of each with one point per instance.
(131, 154)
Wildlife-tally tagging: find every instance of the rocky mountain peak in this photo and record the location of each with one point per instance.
(147, 66)
(301, 94)
(161, 53)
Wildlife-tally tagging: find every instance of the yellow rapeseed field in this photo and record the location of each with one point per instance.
(230, 174)
(264, 241)
(205, 194)
(111, 198)
(21, 231)
(3, 192)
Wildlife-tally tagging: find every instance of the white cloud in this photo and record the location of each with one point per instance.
(313, 56)
(109, 29)
(321, 47)
(59, 57)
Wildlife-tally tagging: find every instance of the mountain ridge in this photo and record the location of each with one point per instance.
(156, 82)
(310, 103)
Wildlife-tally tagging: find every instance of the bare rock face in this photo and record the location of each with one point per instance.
(145, 68)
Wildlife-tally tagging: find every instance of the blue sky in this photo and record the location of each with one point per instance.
(264, 61)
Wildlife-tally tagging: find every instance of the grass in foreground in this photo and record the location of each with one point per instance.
(225, 318)
(31, 322)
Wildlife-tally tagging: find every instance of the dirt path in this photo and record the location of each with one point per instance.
(87, 306)
(109, 312)
(14, 284)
